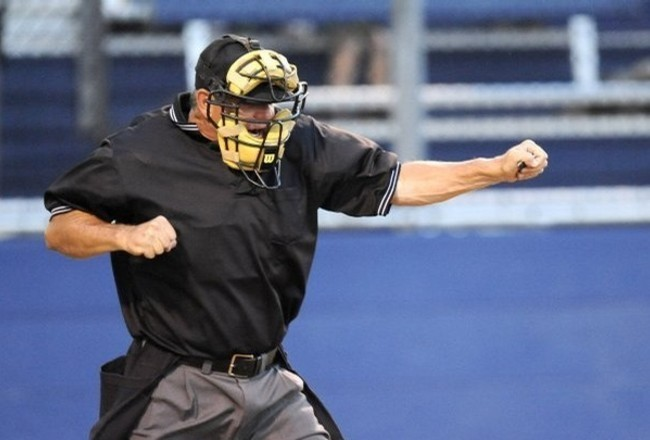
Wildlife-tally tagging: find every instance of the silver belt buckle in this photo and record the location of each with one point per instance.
(233, 362)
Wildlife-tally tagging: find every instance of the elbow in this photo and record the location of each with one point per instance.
(403, 200)
(402, 195)
(50, 238)
(54, 239)
(409, 195)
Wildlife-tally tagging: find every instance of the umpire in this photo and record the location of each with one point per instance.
(208, 208)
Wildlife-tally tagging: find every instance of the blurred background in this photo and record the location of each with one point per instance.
(517, 312)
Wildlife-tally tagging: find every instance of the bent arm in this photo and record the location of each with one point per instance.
(428, 182)
(78, 234)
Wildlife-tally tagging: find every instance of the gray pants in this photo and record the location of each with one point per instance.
(188, 404)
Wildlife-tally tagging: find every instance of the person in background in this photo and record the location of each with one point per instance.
(353, 45)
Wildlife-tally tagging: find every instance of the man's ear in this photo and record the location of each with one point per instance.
(202, 96)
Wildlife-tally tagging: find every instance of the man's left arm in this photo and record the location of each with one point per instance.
(428, 182)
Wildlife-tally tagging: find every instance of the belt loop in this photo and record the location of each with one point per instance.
(206, 368)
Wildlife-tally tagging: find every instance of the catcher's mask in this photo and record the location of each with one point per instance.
(256, 77)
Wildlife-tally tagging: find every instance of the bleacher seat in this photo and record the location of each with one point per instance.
(38, 94)
(440, 12)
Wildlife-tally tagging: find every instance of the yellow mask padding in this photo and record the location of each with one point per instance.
(241, 150)
(261, 67)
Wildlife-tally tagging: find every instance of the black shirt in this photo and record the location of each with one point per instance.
(237, 277)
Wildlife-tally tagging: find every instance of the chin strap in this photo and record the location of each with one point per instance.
(260, 179)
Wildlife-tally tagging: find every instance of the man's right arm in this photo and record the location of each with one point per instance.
(78, 234)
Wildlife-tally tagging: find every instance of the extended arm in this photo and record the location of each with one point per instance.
(81, 235)
(427, 182)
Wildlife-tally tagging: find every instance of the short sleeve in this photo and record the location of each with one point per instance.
(92, 186)
(350, 173)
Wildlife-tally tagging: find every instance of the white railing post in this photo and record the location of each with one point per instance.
(197, 34)
(583, 48)
(408, 69)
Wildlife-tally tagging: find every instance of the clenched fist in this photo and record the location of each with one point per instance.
(150, 238)
(524, 161)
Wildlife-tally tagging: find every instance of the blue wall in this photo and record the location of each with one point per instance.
(502, 334)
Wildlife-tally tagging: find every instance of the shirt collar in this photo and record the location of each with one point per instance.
(180, 111)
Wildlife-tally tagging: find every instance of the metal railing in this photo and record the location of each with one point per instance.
(454, 112)
(565, 110)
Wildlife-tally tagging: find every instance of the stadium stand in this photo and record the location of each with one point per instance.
(438, 12)
(507, 60)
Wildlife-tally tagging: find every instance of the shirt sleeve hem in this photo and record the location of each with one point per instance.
(385, 205)
(60, 210)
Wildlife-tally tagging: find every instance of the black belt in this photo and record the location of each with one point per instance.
(239, 365)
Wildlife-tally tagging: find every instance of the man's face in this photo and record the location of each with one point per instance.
(254, 116)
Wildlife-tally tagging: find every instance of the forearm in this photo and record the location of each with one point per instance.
(78, 234)
(81, 235)
(427, 182)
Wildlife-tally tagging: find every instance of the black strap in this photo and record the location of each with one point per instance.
(239, 365)
(249, 43)
(321, 412)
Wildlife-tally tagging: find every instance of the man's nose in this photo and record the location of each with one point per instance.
(258, 113)
(258, 125)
